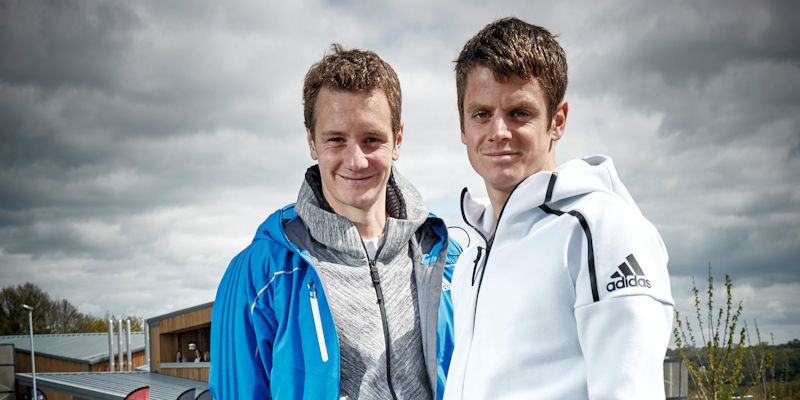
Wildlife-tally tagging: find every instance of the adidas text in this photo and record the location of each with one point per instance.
(628, 274)
(630, 281)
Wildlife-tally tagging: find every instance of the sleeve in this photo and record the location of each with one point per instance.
(624, 341)
(624, 308)
(444, 328)
(241, 356)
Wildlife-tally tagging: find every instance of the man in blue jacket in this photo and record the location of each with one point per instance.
(338, 295)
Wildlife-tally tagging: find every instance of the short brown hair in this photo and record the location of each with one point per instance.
(351, 71)
(510, 47)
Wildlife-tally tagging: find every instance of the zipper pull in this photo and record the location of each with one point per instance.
(376, 282)
(373, 272)
(312, 296)
(475, 266)
(312, 290)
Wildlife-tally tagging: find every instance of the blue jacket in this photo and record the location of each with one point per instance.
(272, 332)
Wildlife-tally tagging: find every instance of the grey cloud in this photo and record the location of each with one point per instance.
(142, 143)
(696, 41)
(713, 71)
(72, 43)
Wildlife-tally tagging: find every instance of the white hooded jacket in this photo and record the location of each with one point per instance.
(568, 298)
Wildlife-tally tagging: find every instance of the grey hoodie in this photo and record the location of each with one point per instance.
(341, 260)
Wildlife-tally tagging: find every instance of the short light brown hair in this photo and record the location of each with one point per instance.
(512, 47)
(353, 70)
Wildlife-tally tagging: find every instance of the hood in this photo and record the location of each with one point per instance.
(570, 180)
(404, 206)
(272, 227)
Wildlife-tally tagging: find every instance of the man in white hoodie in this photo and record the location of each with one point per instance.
(566, 295)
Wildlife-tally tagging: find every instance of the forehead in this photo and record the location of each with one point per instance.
(482, 86)
(345, 110)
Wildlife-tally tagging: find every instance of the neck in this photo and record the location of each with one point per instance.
(369, 222)
(498, 199)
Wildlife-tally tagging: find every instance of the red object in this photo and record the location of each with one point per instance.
(142, 393)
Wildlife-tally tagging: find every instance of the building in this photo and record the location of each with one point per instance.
(73, 352)
(676, 379)
(112, 386)
(184, 330)
(76, 367)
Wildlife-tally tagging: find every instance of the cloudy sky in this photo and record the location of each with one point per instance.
(141, 143)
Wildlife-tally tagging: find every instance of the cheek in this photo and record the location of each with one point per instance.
(327, 160)
(473, 146)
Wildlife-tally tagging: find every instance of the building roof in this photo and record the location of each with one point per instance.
(113, 385)
(83, 348)
(155, 321)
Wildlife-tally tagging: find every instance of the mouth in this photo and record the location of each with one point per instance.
(356, 179)
(500, 153)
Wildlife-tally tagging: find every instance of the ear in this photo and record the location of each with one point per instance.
(398, 140)
(463, 137)
(311, 146)
(559, 122)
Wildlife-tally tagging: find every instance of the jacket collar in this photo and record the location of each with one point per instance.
(570, 180)
(404, 207)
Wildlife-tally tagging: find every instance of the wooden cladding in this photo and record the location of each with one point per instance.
(47, 364)
(174, 333)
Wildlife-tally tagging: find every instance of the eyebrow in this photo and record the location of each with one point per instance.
(371, 132)
(328, 133)
(471, 107)
(526, 104)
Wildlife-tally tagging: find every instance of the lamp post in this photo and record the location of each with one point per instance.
(33, 353)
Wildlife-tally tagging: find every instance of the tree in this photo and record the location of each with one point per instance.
(101, 325)
(64, 317)
(49, 316)
(14, 318)
(716, 366)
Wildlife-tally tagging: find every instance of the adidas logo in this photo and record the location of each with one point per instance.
(632, 275)
(446, 286)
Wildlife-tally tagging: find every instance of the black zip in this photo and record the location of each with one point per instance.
(489, 244)
(475, 264)
(478, 258)
(376, 283)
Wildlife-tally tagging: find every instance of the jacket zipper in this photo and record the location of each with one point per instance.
(475, 264)
(475, 267)
(488, 242)
(483, 263)
(376, 283)
(312, 294)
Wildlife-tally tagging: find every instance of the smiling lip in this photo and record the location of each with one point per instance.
(355, 179)
(500, 153)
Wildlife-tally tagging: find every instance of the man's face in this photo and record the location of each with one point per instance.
(508, 134)
(355, 147)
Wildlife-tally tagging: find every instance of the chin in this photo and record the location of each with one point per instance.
(361, 201)
(504, 183)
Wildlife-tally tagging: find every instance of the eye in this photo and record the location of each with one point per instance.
(335, 139)
(480, 115)
(376, 139)
(520, 114)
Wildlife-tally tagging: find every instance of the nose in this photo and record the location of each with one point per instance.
(498, 129)
(355, 158)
